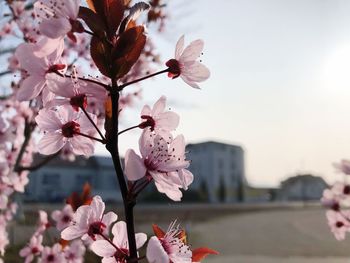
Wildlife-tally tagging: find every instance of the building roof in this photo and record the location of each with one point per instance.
(214, 144)
(305, 178)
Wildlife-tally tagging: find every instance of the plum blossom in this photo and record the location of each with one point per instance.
(162, 160)
(109, 253)
(43, 222)
(158, 119)
(169, 247)
(63, 218)
(37, 63)
(62, 127)
(75, 92)
(185, 64)
(339, 223)
(52, 254)
(89, 221)
(33, 249)
(74, 253)
(58, 18)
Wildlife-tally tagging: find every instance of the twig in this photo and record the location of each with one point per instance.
(121, 87)
(93, 123)
(40, 164)
(128, 129)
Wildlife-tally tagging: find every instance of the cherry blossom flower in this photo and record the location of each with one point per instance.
(32, 249)
(109, 253)
(75, 92)
(63, 218)
(158, 119)
(43, 222)
(37, 64)
(169, 247)
(58, 17)
(74, 253)
(338, 195)
(52, 255)
(89, 221)
(185, 64)
(339, 223)
(62, 127)
(162, 160)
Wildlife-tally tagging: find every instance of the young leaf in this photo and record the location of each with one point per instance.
(114, 12)
(199, 254)
(93, 21)
(100, 52)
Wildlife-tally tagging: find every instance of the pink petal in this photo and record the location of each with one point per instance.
(155, 253)
(51, 143)
(134, 166)
(72, 232)
(192, 51)
(186, 177)
(146, 110)
(141, 239)
(30, 88)
(189, 82)
(120, 235)
(61, 86)
(168, 121)
(47, 96)
(98, 207)
(47, 120)
(28, 61)
(109, 218)
(82, 145)
(49, 47)
(196, 72)
(159, 106)
(179, 47)
(103, 248)
(55, 27)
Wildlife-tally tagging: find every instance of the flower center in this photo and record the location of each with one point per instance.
(149, 122)
(78, 101)
(55, 68)
(66, 219)
(50, 258)
(35, 250)
(70, 128)
(174, 68)
(339, 224)
(95, 229)
(346, 190)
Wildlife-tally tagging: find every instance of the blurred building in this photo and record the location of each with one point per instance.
(303, 187)
(218, 170)
(58, 179)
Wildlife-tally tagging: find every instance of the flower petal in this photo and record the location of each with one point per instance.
(55, 27)
(134, 166)
(30, 88)
(155, 253)
(179, 47)
(103, 248)
(51, 143)
(192, 51)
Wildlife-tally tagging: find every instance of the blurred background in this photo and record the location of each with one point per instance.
(263, 132)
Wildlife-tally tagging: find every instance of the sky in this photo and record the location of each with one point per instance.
(279, 85)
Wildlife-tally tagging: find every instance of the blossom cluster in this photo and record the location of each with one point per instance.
(71, 112)
(337, 200)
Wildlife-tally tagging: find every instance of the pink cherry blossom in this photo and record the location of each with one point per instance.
(75, 92)
(158, 118)
(52, 255)
(169, 248)
(63, 218)
(185, 64)
(37, 64)
(162, 160)
(32, 249)
(109, 253)
(43, 222)
(58, 17)
(89, 221)
(62, 127)
(74, 253)
(339, 223)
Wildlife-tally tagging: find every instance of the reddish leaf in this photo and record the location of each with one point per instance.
(114, 12)
(127, 50)
(97, 6)
(63, 243)
(76, 200)
(100, 52)
(199, 254)
(158, 231)
(93, 21)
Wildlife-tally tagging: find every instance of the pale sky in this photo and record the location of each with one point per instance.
(279, 86)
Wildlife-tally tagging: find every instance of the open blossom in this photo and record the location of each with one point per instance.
(338, 195)
(52, 254)
(63, 218)
(171, 246)
(186, 65)
(58, 17)
(158, 118)
(43, 222)
(74, 253)
(89, 221)
(339, 223)
(33, 58)
(33, 249)
(109, 253)
(162, 160)
(62, 127)
(75, 92)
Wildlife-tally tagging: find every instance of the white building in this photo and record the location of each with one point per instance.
(219, 169)
(58, 179)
